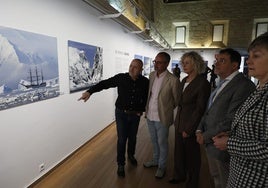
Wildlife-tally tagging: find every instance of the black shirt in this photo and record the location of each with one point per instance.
(132, 94)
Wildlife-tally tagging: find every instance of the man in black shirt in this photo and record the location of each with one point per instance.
(132, 90)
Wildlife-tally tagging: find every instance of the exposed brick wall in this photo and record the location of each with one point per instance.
(240, 13)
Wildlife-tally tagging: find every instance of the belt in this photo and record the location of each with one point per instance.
(133, 112)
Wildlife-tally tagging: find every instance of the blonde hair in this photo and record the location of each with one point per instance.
(197, 61)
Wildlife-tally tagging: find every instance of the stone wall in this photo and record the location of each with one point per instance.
(239, 13)
(147, 7)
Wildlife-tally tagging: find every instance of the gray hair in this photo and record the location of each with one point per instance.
(197, 61)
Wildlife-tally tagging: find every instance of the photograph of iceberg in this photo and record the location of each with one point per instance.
(85, 65)
(28, 67)
(147, 62)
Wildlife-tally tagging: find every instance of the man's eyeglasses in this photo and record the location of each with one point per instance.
(158, 62)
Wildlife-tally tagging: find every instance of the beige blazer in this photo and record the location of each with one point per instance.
(167, 97)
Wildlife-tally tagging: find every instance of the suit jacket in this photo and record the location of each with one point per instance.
(248, 143)
(192, 104)
(167, 97)
(219, 116)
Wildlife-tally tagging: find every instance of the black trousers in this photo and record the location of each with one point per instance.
(187, 160)
(127, 127)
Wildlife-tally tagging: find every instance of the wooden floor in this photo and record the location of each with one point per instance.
(94, 165)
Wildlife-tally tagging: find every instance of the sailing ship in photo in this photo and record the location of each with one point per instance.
(36, 80)
(34, 89)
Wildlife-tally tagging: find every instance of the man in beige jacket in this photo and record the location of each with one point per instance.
(162, 100)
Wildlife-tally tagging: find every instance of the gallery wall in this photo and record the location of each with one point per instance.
(46, 132)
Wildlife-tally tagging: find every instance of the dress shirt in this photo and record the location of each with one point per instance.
(227, 80)
(132, 94)
(153, 103)
(185, 85)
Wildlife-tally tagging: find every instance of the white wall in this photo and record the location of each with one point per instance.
(48, 131)
(207, 54)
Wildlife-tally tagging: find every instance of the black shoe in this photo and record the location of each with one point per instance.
(173, 181)
(121, 171)
(176, 181)
(132, 160)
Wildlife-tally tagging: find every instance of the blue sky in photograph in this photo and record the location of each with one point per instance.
(89, 50)
(22, 51)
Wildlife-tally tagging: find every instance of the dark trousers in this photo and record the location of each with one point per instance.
(187, 160)
(127, 127)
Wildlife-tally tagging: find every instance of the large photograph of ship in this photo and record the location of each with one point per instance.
(28, 67)
(85, 65)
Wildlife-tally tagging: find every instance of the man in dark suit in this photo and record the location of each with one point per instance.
(233, 89)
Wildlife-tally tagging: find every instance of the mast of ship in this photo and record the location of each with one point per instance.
(31, 76)
(37, 77)
(42, 77)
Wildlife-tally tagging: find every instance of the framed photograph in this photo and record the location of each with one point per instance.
(147, 66)
(28, 67)
(85, 65)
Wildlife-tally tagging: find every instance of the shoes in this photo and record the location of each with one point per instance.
(176, 181)
(173, 181)
(132, 160)
(160, 173)
(121, 171)
(150, 164)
